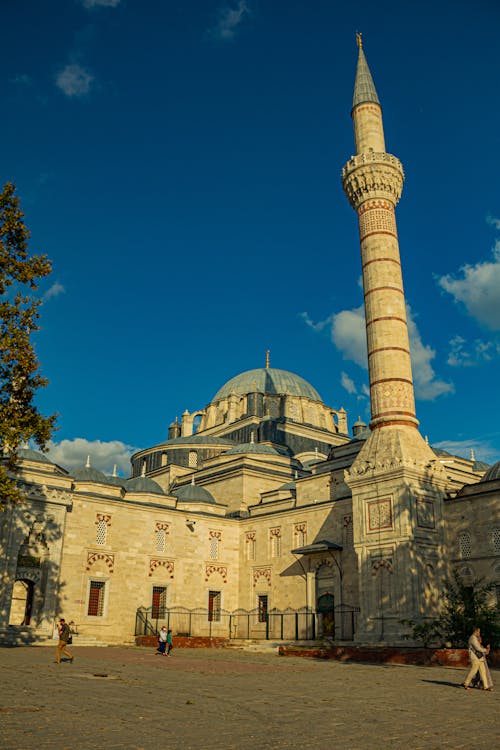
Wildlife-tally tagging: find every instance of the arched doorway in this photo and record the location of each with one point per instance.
(325, 599)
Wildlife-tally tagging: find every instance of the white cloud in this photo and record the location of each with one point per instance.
(477, 288)
(348, 334)
(465, 354)
(483, 451)
(74, 80)
(72, 454)
(493, 222)
(229, 19)
(54, 291)
(348, 383)
(427, 388)
(101, 3)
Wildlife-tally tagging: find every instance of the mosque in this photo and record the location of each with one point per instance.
(263, 514)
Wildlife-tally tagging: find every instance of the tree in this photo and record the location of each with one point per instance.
(20, 378)
(465, 606)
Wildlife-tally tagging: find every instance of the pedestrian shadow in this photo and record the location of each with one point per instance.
(445, 682)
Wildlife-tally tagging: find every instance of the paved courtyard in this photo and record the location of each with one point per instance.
(128, 698)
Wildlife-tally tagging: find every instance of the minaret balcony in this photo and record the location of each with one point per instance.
(373, 175)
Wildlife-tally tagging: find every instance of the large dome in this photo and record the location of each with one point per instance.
(268, 380)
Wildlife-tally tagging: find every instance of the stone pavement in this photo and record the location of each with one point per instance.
(131, 699)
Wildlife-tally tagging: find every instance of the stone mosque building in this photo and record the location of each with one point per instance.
(263, 513)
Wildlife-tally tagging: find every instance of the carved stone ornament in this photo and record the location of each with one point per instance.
(93, 557)
(372, 175)
(259, 573)
(221, 569)
(156, 562)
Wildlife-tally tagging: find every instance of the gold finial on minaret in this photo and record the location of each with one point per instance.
(268, 352)
(359, 39)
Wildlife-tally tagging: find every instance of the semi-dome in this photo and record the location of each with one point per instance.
(143, 484)
(492, 473)
(193, 493)
(268, 380)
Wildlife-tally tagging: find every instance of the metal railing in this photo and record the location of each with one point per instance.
(290, 624)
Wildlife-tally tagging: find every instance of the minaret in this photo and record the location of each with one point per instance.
(373, 182)
(396, 482)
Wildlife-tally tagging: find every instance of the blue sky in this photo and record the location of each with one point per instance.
(180, 164)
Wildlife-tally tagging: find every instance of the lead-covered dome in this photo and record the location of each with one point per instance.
(268, 380)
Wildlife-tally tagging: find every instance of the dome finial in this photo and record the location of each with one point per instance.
(114, 471)
(359, 39)
(268, 353)
(87, 465)
(472, 455)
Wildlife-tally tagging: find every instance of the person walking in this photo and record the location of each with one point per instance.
(64, 638)
(170, 644)
(162, 641)
(477, 659)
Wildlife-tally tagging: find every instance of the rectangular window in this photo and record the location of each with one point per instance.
(262, 606)
(159, 602)
(214, 606)
(96, 598)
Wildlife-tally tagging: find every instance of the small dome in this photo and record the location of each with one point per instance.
(143, 484)
(30, 455)
(268, 380)
(88, 474)
(492, 473)
(252, 448)
(193, 493)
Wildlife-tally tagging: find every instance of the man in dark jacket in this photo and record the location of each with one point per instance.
(64, 636)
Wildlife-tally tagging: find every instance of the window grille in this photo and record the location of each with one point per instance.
(495, 540)
(159, 602)
(262, 606)
(214, 606)
(160, 540)
(214, 547)
(102, 532)
(465, 545)
(96, 598)
(193, 459)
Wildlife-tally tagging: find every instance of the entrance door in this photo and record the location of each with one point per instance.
(325, 599)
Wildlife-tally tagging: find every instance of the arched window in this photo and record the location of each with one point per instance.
(193, 459)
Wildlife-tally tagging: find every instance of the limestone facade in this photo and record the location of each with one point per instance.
(263, 501)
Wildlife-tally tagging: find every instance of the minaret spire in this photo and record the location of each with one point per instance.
(364, 88)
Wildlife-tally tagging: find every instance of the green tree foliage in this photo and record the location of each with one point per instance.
(20, 378)
(466, 606)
